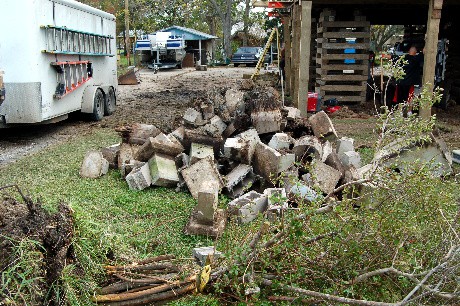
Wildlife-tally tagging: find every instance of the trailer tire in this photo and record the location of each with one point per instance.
(110, 102)
(98, 105)
(236, 65)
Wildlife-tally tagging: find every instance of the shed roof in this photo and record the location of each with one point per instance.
(188, 34)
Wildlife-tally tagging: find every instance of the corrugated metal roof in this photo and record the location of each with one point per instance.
(195, 35)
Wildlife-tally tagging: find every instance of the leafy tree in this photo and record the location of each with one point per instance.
(380, 34)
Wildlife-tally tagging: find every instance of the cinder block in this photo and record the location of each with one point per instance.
(242, 147)
(306, 146)
(207, 205)
(200, 173)
(333, 161)
(292, 113)
(322, 126)
(267, 121)
(139, 178)
(238, 181)
(324, 176)
(215, 127)
(111, 155)
(351, 158)
(280, 141)
(193, 117)
(200, 151)
(248, 206)
(269, 163)
(215, 230)
(178, 133)
(202, 253)
(163, 170)
(94, 165)
(160, 144)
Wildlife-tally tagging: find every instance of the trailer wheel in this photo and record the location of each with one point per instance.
(98, 105)
(236, 65)
(110, 103)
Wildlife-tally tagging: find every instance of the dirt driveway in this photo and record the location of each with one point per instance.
(159, 99)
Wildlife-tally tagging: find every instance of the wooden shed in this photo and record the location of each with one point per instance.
(316, 50)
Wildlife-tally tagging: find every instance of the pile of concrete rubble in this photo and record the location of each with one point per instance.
(239, 142)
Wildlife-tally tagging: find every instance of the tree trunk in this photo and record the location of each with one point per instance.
(246, 22)
(227, 28)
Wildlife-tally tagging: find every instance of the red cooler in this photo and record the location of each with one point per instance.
(313, 104)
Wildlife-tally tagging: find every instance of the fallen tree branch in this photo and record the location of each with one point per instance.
(365, 276)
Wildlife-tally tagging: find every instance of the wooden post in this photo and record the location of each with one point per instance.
(304, 56)
(295, 55)
(199, 50)
(127, 38)
(287, 53)
(431, 49)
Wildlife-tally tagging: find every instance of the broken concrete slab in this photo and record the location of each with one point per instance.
(280, 141)
(234, 100)
(306, 146)
(345, 144)
(215, 127)
(230, 130)
(139, 178)
(200, 173)
(111, 155)
(199, 151)
(137, 133)
(333, 161)
(327, 150)
(269, 163)
(163, 170)
(351, 158)
(322, 126)
(267, 121)
(239, 180)
(160, 144)
(193, 117)
(215, 230)
(94, 165)
(202, 253)
(292, 113)
(207, 205)
(324, 176)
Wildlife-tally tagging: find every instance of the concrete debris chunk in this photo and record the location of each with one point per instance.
(207, 205)
(351, 158)
(267, 121)
(248, 206)
(201, 67)
(202, 253)
(456, 156)
(239, 180)
(280, 141)
(303, 192)
(137, 133)
(193, 117)
(193, 136)
(324, 176)
(194, 227)
(322, 126)
(333, 161)
(327, 149)
(306, 146)
(229, 130)
(125, 157)
(200, 173)
(247, 84)
(178, 133)
(207, 110)
(160, 144)
(242, 147)
(163, 170)
(94, 165)
(269, 163)
(345, 144)
(292, 113)
(199, 151)
(111, 155)
(139, 178)
(234, 100)
(215, 127)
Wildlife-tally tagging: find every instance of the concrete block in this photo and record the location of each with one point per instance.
(111, 155)
(178, 133)
(306, 146)
(200, 151)
(201, 254)
(327, 149)
(248, 206)
(324, 176)
(242, 147)
(207, 205)
(267, 121)
(269, 163)
(215, 127)
(129, 166)
(193, 117)
(234, 100)
(333, 161)
(137, 133)
(200, 173)
(303, 192)
(94, 165)
(239, 180)
(201, 67)
(215, 230)
(280, 141)
(207, 110)
(351, 158)
(194, 136)
(160, 144)
(345, 144)
(126, 154)
(229, 130)
(292, 113)
(322, 126)
(139, 178)
(163, 170)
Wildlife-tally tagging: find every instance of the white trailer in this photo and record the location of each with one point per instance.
(57, 57)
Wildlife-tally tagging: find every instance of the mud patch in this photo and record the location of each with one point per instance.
(51, 236)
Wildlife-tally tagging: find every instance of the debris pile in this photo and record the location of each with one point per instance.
(242, 143)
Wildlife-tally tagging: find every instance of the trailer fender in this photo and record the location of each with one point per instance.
(87, 103)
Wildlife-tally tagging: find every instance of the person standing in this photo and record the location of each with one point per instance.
(412, 77)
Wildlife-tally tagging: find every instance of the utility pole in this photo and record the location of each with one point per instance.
(127, 38)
